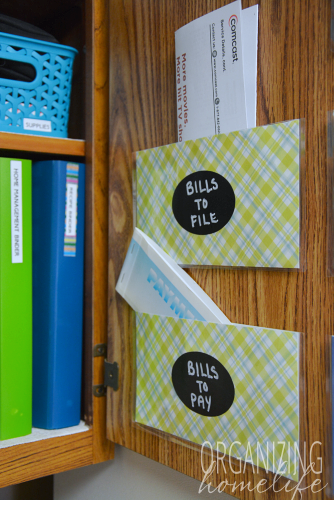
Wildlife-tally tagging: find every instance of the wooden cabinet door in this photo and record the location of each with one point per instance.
(295, 80)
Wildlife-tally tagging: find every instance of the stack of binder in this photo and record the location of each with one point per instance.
(41, 294)
(58, 265)
(15, 298)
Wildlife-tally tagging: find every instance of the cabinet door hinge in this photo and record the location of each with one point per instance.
(110, 379)
(100, 350)
(111, 375)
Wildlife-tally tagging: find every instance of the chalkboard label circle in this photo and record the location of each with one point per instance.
(203, 202)
(203, 384)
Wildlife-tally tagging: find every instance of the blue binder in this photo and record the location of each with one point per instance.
(58, 265)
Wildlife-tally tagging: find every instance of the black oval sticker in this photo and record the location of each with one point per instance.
(203, 384)
(203, 202)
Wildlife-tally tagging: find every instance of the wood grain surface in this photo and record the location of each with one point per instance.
(295, 80)
(96, 236)
(33, 460)
(29, 461)
(45, 145)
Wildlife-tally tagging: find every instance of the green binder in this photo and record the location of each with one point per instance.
(15, 298)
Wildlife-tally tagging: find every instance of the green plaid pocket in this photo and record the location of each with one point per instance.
(262, 166)
(263, 365)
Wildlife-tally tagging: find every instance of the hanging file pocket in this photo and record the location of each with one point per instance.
(235, 387)
(228, 200)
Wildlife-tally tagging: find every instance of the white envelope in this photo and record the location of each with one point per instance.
(216, 62)
(151, 282)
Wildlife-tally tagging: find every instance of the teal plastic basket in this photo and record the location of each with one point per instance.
(40, 107)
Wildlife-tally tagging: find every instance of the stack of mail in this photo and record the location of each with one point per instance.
(152, 282)
(216, 72)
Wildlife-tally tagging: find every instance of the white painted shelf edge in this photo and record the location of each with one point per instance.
(38, 434)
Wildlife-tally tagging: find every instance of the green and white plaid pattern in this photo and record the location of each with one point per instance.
(263, 364)
(262, 166)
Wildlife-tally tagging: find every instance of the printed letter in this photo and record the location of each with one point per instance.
(159, 286)
(191, 370)
(201, 402)
(168, 294)
(199, 382)
(152, 276)
(208, 401)
(193, 218)
(198, 201)
(214, 372)
(190, 189)
(214, 184)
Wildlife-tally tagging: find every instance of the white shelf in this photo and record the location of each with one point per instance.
(38, 434)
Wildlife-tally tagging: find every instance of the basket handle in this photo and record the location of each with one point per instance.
(26, 84)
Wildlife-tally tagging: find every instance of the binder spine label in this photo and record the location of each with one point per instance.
(71, 209)
(16, 211)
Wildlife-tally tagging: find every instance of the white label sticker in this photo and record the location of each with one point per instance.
(16, 210)
(38, 125)
(71, 210)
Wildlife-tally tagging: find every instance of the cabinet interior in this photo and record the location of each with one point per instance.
(66, 22)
